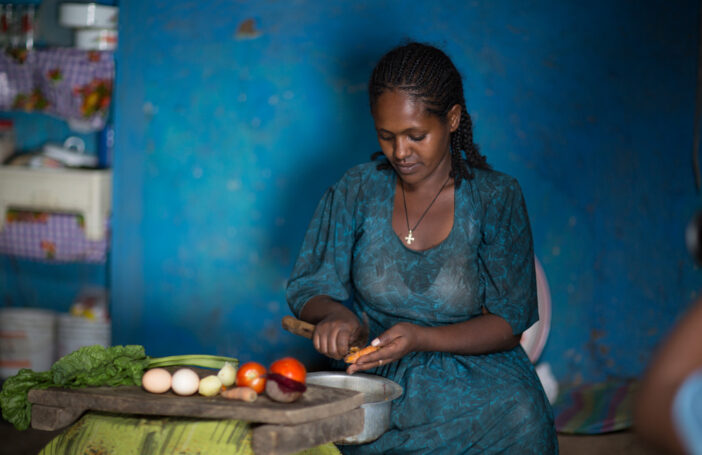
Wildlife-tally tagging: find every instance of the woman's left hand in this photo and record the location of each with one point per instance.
(394, 343)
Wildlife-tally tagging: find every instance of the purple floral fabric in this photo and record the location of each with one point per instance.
(51, 237)
(73, 84)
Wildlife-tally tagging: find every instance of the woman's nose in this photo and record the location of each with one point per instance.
(401, 149)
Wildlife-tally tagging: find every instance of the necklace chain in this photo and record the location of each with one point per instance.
(409, 239)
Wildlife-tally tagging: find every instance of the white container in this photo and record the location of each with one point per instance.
(74, 332)
(88, 15)
(96, 39)
(88, 192)
(71, 153)
(27, 340)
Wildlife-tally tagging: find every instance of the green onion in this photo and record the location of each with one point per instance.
(196, 360)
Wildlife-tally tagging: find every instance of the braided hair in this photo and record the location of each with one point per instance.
(428, 75)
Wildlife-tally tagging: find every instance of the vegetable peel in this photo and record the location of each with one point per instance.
(355, 353)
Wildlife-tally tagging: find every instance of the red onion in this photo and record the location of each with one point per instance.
(283, 389)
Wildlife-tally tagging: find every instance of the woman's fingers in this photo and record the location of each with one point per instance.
(332, 339)
(335, 340)
(342, 343)
(364, 363)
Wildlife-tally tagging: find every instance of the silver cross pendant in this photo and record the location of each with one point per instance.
(409, 239)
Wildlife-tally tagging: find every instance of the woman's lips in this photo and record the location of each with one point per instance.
(406, 168)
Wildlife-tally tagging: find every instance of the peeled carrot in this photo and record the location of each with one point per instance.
(241, 393)
(355, 353)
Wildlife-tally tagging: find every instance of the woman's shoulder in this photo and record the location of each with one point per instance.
(362, 175)
(491, 182)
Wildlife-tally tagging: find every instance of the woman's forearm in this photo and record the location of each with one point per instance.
(480, 335)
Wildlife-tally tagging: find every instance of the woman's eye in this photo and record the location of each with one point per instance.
(385, 138)
(418, 138)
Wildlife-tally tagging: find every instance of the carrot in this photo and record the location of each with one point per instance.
(241, 393)
(355, 353)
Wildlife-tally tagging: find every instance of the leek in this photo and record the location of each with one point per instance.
(195, 360)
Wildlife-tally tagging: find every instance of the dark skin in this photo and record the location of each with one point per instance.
(417, 144)
(678, 356)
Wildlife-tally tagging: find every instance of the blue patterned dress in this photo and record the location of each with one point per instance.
(452, 403)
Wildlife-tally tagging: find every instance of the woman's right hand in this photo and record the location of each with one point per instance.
(334, 332)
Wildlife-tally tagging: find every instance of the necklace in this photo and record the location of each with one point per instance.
(409, 239)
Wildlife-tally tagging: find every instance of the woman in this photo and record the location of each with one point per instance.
(436, 249)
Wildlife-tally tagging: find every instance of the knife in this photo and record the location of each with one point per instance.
(305, 329)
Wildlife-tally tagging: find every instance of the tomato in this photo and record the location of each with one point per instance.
(290, 368)
(252, 374)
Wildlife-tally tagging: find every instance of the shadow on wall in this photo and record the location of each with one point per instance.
(349, 139)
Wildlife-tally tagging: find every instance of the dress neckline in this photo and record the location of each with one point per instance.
(398, 240)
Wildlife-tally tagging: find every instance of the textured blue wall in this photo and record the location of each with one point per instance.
(226, 139)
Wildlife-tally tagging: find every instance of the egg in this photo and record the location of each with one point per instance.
(185, 382)
(156, 380)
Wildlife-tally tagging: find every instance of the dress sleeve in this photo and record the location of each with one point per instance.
(506, 256)
(324, 262)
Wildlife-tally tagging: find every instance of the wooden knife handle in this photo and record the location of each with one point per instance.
(298, 327)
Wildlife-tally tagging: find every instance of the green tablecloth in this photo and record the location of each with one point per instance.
(117, 434)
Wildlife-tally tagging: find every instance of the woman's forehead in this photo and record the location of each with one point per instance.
(398, 106)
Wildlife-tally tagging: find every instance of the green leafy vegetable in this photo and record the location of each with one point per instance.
(89, 366)
(13, 398)
(97, 365)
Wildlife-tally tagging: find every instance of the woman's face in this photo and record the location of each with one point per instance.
(416, 142)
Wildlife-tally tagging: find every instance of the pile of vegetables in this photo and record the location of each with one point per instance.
(186, 382)
(90, 366)
(283, 382)
(129, 365)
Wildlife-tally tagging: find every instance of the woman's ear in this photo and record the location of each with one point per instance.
(454, 117)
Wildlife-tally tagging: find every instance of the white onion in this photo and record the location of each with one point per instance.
(185, 382)
(227, 374)
(210, 386)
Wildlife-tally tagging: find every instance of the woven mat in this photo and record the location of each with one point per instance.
(595, 408)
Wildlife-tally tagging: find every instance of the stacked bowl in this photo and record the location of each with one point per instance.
(95, 25)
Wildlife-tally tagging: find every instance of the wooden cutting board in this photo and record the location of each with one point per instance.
(55, 408)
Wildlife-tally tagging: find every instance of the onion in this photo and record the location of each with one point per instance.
(210, 386)
(185, 382)
(283, 389)
(227, 374)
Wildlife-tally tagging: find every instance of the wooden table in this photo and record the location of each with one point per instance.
(321, 415)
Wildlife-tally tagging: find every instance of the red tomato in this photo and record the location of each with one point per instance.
(252, 374)
(290, 368)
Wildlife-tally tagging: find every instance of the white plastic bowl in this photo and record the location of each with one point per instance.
(96, 39)
(88, 15)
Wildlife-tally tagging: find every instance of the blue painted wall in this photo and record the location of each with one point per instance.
(226, 140)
